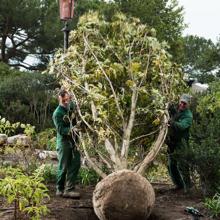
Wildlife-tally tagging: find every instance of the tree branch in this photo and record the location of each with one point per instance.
(142, 136)
(106, 161)
(107, 78)
(155, 147)
(91, 163)
(128, 129)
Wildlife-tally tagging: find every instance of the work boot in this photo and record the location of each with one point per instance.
(59, 193)
(71, 194)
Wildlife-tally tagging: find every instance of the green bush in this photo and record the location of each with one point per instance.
(46, 139)
(87, 177)
(213, 204)
(48, 172)
(205, 146)
(204, 152)
(6, 127)
(29, 94)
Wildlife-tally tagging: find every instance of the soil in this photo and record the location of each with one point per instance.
(170, 205)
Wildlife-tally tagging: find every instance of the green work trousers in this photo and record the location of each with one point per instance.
(179, 172)
(68, 166)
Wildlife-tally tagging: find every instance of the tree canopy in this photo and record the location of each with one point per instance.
(165, 16)
(121, 78)
(32, 28)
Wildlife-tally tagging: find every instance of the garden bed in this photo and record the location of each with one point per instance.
(169, 205)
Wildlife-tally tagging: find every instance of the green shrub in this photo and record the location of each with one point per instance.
(87, 177)
(213, 204)
(47, 139)
(9, 128)
(34, 95)
(204, 152)
(157, 172)
(48, 172)
(26, 193)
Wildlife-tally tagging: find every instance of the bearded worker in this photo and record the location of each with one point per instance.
(178, 142)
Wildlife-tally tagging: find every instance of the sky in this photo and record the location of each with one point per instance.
(202, 18)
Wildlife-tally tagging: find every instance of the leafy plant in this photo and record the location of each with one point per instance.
(46, 139)
(87, 176)
(9, 128)
(213, 204)
(6, 127)
(48, 172)
(29, 130)
(26, 193)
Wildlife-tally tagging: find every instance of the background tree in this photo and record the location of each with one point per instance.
(33, 28)
(28, 28)
(204, 154)
(201, 58)
(165, 16)
(27, 97)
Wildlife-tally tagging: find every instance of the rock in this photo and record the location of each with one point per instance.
(44, 154)
(3, 139)
(123, 195)
(20, 139)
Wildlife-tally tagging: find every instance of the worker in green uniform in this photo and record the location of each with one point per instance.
(177, 141)
(68, 155)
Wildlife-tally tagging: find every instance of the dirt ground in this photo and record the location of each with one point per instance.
(169, 205)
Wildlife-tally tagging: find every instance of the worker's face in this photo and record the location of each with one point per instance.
(64, 101)
(183, 106)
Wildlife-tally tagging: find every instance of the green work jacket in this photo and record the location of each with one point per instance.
(62, 124)
(179, 129)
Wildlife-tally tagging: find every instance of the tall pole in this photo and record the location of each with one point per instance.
(66, 32)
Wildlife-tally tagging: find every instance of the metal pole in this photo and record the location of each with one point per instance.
(66, 32)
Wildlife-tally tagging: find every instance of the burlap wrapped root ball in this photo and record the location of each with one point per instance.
(123, 195)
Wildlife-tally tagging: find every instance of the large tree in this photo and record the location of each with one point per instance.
(32, 28)
(121, 79)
